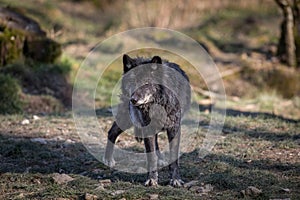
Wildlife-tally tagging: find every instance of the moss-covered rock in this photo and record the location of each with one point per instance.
(9, 95)
(11, 45)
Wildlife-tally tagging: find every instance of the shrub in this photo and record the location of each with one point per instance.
(9, 95)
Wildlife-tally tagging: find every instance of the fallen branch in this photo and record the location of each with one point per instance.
(230, 72)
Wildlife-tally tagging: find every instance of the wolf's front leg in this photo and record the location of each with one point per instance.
(113, 133)
(151, 161)
(174, 142)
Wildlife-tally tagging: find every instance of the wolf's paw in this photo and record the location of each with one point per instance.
(111, 163)
(151, 182)
(176, 182)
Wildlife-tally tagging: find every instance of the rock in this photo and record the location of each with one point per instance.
(62, 178)
(286, 190)
(100, 188)
(202, 189)
(251, 191)
(25, 122)
(153, 196)
(21, 196)
(191, 183)
(35, 117)
(88, 196)
(39, 140)
(36, 181)
(105, 182)
(57, 139)
(117, 192)
(68, 142)
(206, 189)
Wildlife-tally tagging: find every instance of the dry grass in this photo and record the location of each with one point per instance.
(180, 14)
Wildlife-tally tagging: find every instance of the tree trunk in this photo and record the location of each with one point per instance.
(286, 46)
(297, 29)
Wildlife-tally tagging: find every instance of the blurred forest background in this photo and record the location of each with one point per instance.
(43, 43)
(242, 38)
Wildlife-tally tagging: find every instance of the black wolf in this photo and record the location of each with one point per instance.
(153, 100)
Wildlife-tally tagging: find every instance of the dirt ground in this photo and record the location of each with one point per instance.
(258, 157)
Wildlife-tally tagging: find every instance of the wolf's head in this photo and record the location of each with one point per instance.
(138, 83)
(146, 94)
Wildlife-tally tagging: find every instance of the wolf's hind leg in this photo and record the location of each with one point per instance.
(174, 142)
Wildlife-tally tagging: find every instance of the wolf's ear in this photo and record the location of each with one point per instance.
(156, 59)
(127, 63)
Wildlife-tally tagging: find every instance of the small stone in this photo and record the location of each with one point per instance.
(251, 191)
(286, 190)
(25, 122)
(21, 195)
(190, 184)
(100, 188)
(236, 99)
(105, 182)
(36, 181)
(35, 117)
(202, 189)
(62, 178)
(244, 56)
(88, 196)
(206, 188)
(117, 192)
(153, 196)
(68, 142)
(39, 140)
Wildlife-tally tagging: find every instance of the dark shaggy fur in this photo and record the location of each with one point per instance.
(153, 105)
